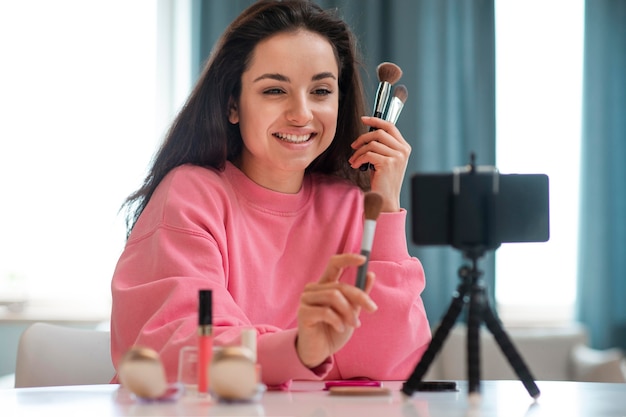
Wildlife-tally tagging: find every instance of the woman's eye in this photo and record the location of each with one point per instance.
(322, 92)
(273, 91)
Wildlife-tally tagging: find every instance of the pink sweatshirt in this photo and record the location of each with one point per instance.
(257, 249)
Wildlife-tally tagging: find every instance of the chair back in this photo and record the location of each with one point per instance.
(54, 355)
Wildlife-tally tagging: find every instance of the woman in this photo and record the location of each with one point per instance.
(256, 194)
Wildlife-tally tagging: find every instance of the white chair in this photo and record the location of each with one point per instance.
(53, 355)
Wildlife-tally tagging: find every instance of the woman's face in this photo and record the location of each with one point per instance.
(287, 110)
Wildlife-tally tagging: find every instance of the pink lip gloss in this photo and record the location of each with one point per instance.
(205, 338)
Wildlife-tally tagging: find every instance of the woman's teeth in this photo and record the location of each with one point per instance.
(293, 138)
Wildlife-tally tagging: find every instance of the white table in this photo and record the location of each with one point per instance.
(499, 398)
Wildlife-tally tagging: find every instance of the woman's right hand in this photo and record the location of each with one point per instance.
(329, 311)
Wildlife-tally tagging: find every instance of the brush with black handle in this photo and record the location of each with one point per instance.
(388, 74)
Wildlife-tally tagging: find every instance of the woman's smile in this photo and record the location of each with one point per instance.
(291, 138)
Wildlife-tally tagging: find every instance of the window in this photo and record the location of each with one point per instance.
(539, 58)
(83, 107)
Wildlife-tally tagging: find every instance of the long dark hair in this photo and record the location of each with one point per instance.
(201, 133)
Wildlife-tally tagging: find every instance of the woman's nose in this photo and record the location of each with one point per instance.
(299, 111)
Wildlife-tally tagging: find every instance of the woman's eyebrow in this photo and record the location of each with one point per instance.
(281, 77)
(323, 75)
(272, 76)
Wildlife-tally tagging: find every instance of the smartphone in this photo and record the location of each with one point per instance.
(437, 386)
(481, 209)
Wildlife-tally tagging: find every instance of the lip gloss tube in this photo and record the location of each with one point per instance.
(205, 338)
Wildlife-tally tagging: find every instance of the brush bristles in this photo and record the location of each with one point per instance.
(373, 204)
(401, 92)
(389, 72)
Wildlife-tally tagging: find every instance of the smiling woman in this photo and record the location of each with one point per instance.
(78, 110)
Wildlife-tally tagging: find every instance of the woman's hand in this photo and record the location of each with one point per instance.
(329, 311)
(389, 152)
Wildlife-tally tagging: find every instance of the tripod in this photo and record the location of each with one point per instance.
(471, 289)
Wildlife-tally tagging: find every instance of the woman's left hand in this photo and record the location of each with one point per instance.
(329, 310)
(388, 151)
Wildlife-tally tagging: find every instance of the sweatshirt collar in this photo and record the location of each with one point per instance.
(265, 199)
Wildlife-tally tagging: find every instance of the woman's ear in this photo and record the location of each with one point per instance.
(233, 112)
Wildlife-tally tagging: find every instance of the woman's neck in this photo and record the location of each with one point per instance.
(288, 182)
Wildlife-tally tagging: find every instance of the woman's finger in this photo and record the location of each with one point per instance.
(311, 315)
(340, 295)
(336, 265)
(333, 299)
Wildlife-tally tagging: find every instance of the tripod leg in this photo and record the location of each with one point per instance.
(508, 349)
(412, 384)
(473, 340)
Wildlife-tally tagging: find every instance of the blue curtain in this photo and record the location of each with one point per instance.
(446, 50)
(602, 251)
(209, 19)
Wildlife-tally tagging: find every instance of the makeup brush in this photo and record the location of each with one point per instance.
(400, 94)
(388, 74)
(142, 373)
(372, 206)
